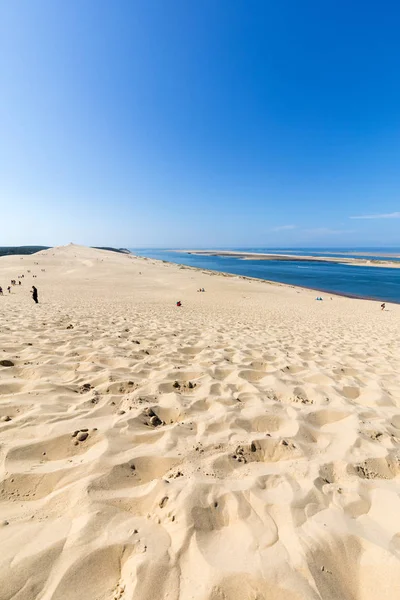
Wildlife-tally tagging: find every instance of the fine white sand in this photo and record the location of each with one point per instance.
(242, 447)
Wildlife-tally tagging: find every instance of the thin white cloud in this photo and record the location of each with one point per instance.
(283, 227)
(327, 231)
(394, 215)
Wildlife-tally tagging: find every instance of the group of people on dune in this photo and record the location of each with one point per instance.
(14, 282)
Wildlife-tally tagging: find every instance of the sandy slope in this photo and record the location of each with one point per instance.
(274, 473)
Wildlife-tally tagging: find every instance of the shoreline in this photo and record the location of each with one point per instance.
(355, 253)
(272, 282)
(355, 262)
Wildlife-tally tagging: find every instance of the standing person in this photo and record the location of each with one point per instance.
(383, 306)
(34, 294)
(9, 289)
(1, 291)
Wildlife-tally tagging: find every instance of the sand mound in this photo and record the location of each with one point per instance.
(242, 447)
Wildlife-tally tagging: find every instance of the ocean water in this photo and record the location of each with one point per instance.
(364, 282)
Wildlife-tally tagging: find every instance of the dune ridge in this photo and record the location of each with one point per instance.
(244, 446)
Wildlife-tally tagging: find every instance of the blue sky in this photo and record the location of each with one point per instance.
(213, 123)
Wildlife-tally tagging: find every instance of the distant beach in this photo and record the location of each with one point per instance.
(317, 269)
(345, 259)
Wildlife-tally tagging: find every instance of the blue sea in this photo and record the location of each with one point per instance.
(363, 282)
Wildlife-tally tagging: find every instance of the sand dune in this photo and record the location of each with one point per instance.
(242, 447)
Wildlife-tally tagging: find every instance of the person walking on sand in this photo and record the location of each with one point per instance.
(383, 306)
(1, 291)
(34, 294)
